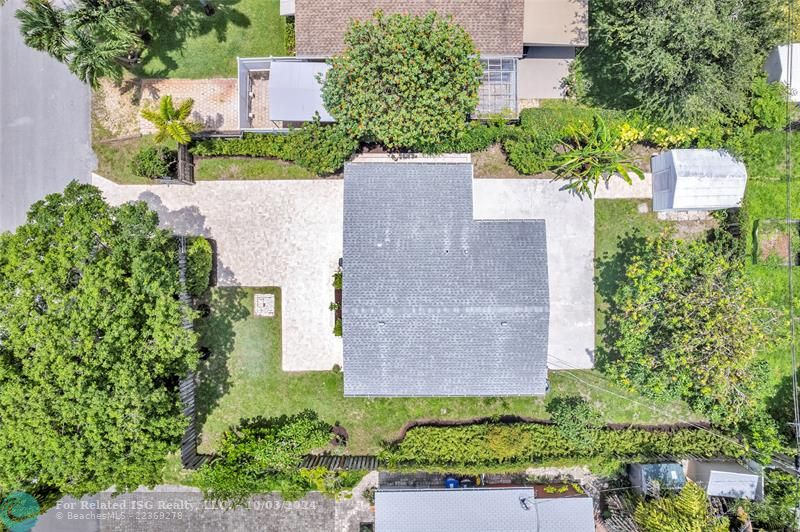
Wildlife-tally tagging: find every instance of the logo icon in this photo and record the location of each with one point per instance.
(18, 511)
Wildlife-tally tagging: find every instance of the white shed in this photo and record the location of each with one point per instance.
(697, 180)
(723, 478)
(783, 64)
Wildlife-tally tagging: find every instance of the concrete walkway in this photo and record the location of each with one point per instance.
(268, 233)
(617, 188)
(570, 257)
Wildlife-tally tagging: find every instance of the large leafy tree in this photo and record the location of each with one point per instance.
(93, 38)
(684, 62)
(261, 455)
(684, 324)
(91, 346)
(404, 81)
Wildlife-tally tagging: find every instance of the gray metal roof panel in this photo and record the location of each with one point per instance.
(434, 302)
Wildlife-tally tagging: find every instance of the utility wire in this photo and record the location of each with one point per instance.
(660, 411)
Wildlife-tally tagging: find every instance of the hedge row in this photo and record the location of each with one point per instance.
(322, 149)
(524, 443)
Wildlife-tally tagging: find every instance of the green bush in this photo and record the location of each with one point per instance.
(289, 35)
(337, 327)
(154, 161)
(262, 455)
(576, 420)
(529, 443)
(322, 149)
(777, 510)
(554, 118)
(768, 103)
(337, 280)
(199, 263)
(477, 137)
(530, 155)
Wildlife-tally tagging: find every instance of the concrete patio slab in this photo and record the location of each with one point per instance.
(570, 257)
(268, 233)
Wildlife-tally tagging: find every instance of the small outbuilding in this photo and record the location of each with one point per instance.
(726, 478)
(783, 64)
(697, 179)
(651, 479)
(295, 93)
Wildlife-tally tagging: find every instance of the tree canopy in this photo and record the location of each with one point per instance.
(404, 81)
(91, 346)
(683, 62)
(684, 324)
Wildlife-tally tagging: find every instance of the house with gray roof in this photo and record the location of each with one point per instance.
(526, 48)
(485, 509)
(435, 302)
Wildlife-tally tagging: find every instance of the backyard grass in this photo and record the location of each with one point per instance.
(186, 43)
(243, 378)
(244, 168)
(615, 220)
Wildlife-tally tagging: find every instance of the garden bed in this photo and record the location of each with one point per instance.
(772, 242)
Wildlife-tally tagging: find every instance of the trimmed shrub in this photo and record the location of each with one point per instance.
(154, 161)
(319, 148)
(199, 262)
(528, 443)
(576, 420)
(323, 149)
(289, 35)
(337, 327)
(478, 137)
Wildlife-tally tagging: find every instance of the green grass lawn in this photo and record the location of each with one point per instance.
(188, 44)
(615, 220)
(243, 378)
(211, 169)
(114, 159)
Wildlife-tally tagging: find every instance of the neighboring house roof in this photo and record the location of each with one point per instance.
(485, 509)
(295, 95)
(434, 302)
(556, 22)
(690, 179)
(495, 25)
(778, 68)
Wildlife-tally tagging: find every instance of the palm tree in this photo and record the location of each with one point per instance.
(43, 27)
(91, 60)
(172, 122)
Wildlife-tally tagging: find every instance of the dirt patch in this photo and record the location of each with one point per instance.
(691, 229)
(115, 109)
(774, 239)
(492, 163)
(640, 156)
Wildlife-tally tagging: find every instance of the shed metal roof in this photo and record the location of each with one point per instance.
(734, 485)
(687, 179)
(434, 302)
(778, 67)
(485, 509)
(294, 92)
(668, 475)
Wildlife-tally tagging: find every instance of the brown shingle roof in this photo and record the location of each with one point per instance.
(495, 25)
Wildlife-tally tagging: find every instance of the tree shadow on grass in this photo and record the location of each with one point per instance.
(174, 22)
(780, 405)
(611, 275)
(216, 332)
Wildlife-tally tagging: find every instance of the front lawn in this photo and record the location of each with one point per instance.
(188, 44)
(246, 168)
(243, 378)
(114, 159)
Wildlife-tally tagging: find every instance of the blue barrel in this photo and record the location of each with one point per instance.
(451, 482)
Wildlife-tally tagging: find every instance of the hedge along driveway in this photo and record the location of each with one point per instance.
(283, 233)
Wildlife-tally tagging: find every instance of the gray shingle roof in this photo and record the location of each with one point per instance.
(485, 509)
(434, 302)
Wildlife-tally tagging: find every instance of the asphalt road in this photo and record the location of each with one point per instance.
(45, 133)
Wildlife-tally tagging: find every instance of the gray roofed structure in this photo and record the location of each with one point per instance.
(436, 303)
(295, 95)
(484, 509)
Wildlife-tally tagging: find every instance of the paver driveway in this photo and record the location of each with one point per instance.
(268, 233)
